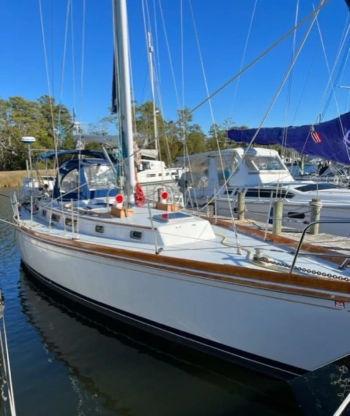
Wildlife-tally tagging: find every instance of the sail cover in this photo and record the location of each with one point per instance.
(329, 140)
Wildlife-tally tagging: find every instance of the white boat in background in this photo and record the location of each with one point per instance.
(155, 172)
(320, 172)
(39, 183)
(263, 176)
(151, 173)
(176, 275)
(154, 176)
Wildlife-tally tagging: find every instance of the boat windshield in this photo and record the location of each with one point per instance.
(257, 163)
(99, 176)
(70, 182)
(310, 169)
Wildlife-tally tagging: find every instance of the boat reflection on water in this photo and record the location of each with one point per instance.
(116, 371)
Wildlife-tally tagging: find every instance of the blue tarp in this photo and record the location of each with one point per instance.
(329, 140)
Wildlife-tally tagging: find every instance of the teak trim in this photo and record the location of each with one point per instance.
(264, 279)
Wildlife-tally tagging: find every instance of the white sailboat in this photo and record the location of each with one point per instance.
(176, 275)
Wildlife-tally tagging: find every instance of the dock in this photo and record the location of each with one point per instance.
(333, 248)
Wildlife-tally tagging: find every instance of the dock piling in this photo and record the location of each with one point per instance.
(315, 207)
(241, 205)
(277, 216)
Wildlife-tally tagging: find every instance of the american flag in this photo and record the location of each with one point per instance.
(316, 137)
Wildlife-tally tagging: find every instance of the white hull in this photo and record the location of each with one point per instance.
(281, 331)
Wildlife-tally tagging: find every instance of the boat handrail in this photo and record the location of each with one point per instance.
(5, 360)
(343, 406)
(304, 233)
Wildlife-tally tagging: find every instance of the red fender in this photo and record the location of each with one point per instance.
(140, 197)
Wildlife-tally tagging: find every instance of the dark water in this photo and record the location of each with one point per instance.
(66, 363)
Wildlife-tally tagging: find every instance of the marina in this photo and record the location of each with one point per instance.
(148, 267)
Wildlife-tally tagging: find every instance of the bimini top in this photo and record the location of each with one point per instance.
(85, 179)
(329, 140)
(51, 154)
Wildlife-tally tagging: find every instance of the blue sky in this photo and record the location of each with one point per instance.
(222, 28)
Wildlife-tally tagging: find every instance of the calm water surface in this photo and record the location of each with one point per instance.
(65, 363)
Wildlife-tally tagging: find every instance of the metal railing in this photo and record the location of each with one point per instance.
(304, 233)
(343, 406)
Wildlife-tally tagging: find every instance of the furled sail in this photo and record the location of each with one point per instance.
(115, 92)
(329, 140)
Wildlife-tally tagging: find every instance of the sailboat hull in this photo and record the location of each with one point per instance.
(277, 332)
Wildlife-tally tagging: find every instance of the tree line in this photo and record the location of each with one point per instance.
(21, 117)
(44, 118)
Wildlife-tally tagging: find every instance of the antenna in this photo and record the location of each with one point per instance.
(29, 140)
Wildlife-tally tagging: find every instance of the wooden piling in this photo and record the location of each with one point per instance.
(241, 205)
(277, 217)
(315, 207)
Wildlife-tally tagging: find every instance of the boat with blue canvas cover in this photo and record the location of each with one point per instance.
(329, 140)
(84, 176)
(98, 176)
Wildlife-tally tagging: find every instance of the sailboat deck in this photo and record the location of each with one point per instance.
(227, 248)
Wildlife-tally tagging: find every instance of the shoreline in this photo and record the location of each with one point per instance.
(14, 178)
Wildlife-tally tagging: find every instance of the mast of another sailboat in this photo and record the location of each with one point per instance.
(150, 51)
(124, 87)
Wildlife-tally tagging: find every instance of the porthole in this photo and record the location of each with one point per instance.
(55, 218)
(136, 235)
(99, 229)
(296, 215)
(68, 222)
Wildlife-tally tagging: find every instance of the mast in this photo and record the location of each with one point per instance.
(125, 109)
(151, 71)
